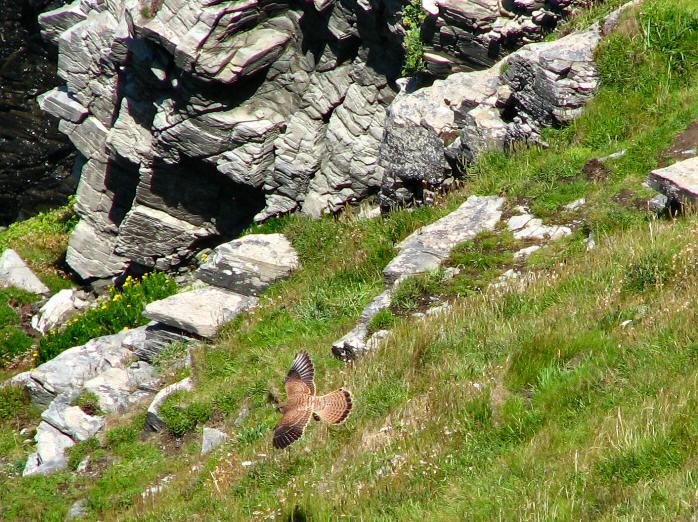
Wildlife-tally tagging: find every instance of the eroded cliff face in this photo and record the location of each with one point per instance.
(194, 118)
(35, 159)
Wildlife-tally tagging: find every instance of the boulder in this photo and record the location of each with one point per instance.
(15, 273)
(71, 420)
(211, 439)
(250, 264)
(71, 369)
(678, 182)
(118, 388)
(201, 312)
(59, 309)
(153, 420)
(50, 456)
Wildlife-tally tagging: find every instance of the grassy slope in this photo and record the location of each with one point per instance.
(41, 241)
(535, 404)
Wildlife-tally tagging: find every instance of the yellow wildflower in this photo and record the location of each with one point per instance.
(117, 297)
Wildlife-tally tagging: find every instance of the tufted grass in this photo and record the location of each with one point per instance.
(543, 403)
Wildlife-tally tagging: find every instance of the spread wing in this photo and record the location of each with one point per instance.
(333, 407)
(301, 377)
(291, 426)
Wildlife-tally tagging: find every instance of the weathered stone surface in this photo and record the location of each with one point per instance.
(678, 182)
(459, 118)
(153, 419)
(211, 439)
(71, 420)
(354, 343)
(425, 249)
(118, 388)
(15, 273)
(147, 342)
(526, 226)
(250, 264)
(201, 312)
(59, 309)
(175, 160)
(68, 371)
(78, 510)
(50, 451)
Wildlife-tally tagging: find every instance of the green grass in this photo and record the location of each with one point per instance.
(540, 403)
(412, 19)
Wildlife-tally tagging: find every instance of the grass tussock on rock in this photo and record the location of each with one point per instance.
(568, 397)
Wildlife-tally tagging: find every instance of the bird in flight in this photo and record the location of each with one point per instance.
(303, 403)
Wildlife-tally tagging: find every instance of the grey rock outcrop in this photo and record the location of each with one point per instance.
(15, 273)
(49, 457)
(71, 420)
(428, 132)
(250, 264)
(422, 251)
(425, 249)
(193, 118)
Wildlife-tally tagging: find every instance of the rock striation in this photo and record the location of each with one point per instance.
(193, 118)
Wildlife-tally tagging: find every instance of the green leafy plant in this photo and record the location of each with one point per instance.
(412, 19)
(181, 418)
(124, 309)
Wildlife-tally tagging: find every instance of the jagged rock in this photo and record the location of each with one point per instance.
(71, 369)
(658, 203)
(15, 273)
(463, 116)
(50, 451)
(147, 342)
(211, 439)
(71, 420)
(678, 182)
(250, 264)
(426, 248)
(59, 309)
(201, 312)
(119, 388)
(153, 419)
(174, 160)
(354, 344)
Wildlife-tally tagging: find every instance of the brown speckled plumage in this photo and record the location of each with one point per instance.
(303, 403)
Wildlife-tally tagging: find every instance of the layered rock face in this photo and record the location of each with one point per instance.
(195, 117)
(36, 160)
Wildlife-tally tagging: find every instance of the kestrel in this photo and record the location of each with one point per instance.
(302, 403)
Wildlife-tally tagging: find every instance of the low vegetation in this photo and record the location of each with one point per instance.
(570, 398)
(412, 19)
(123, 309)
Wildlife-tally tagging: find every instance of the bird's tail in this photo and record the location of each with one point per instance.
(334, 407)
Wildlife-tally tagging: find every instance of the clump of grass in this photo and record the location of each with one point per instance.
(88, 402)
(124, 309)
(77, 453)
(383, 320)
(481, 260)
(182, 415)
(652, 270)
(414, 292)
(14, 402)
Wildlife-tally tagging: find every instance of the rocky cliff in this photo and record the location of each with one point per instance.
(35, 159)
(194, 118)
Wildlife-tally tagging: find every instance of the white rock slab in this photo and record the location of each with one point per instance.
(15, 273)
(201, 312)
(426, 248)
(57, 310)
(71, 420)
(50, 451)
